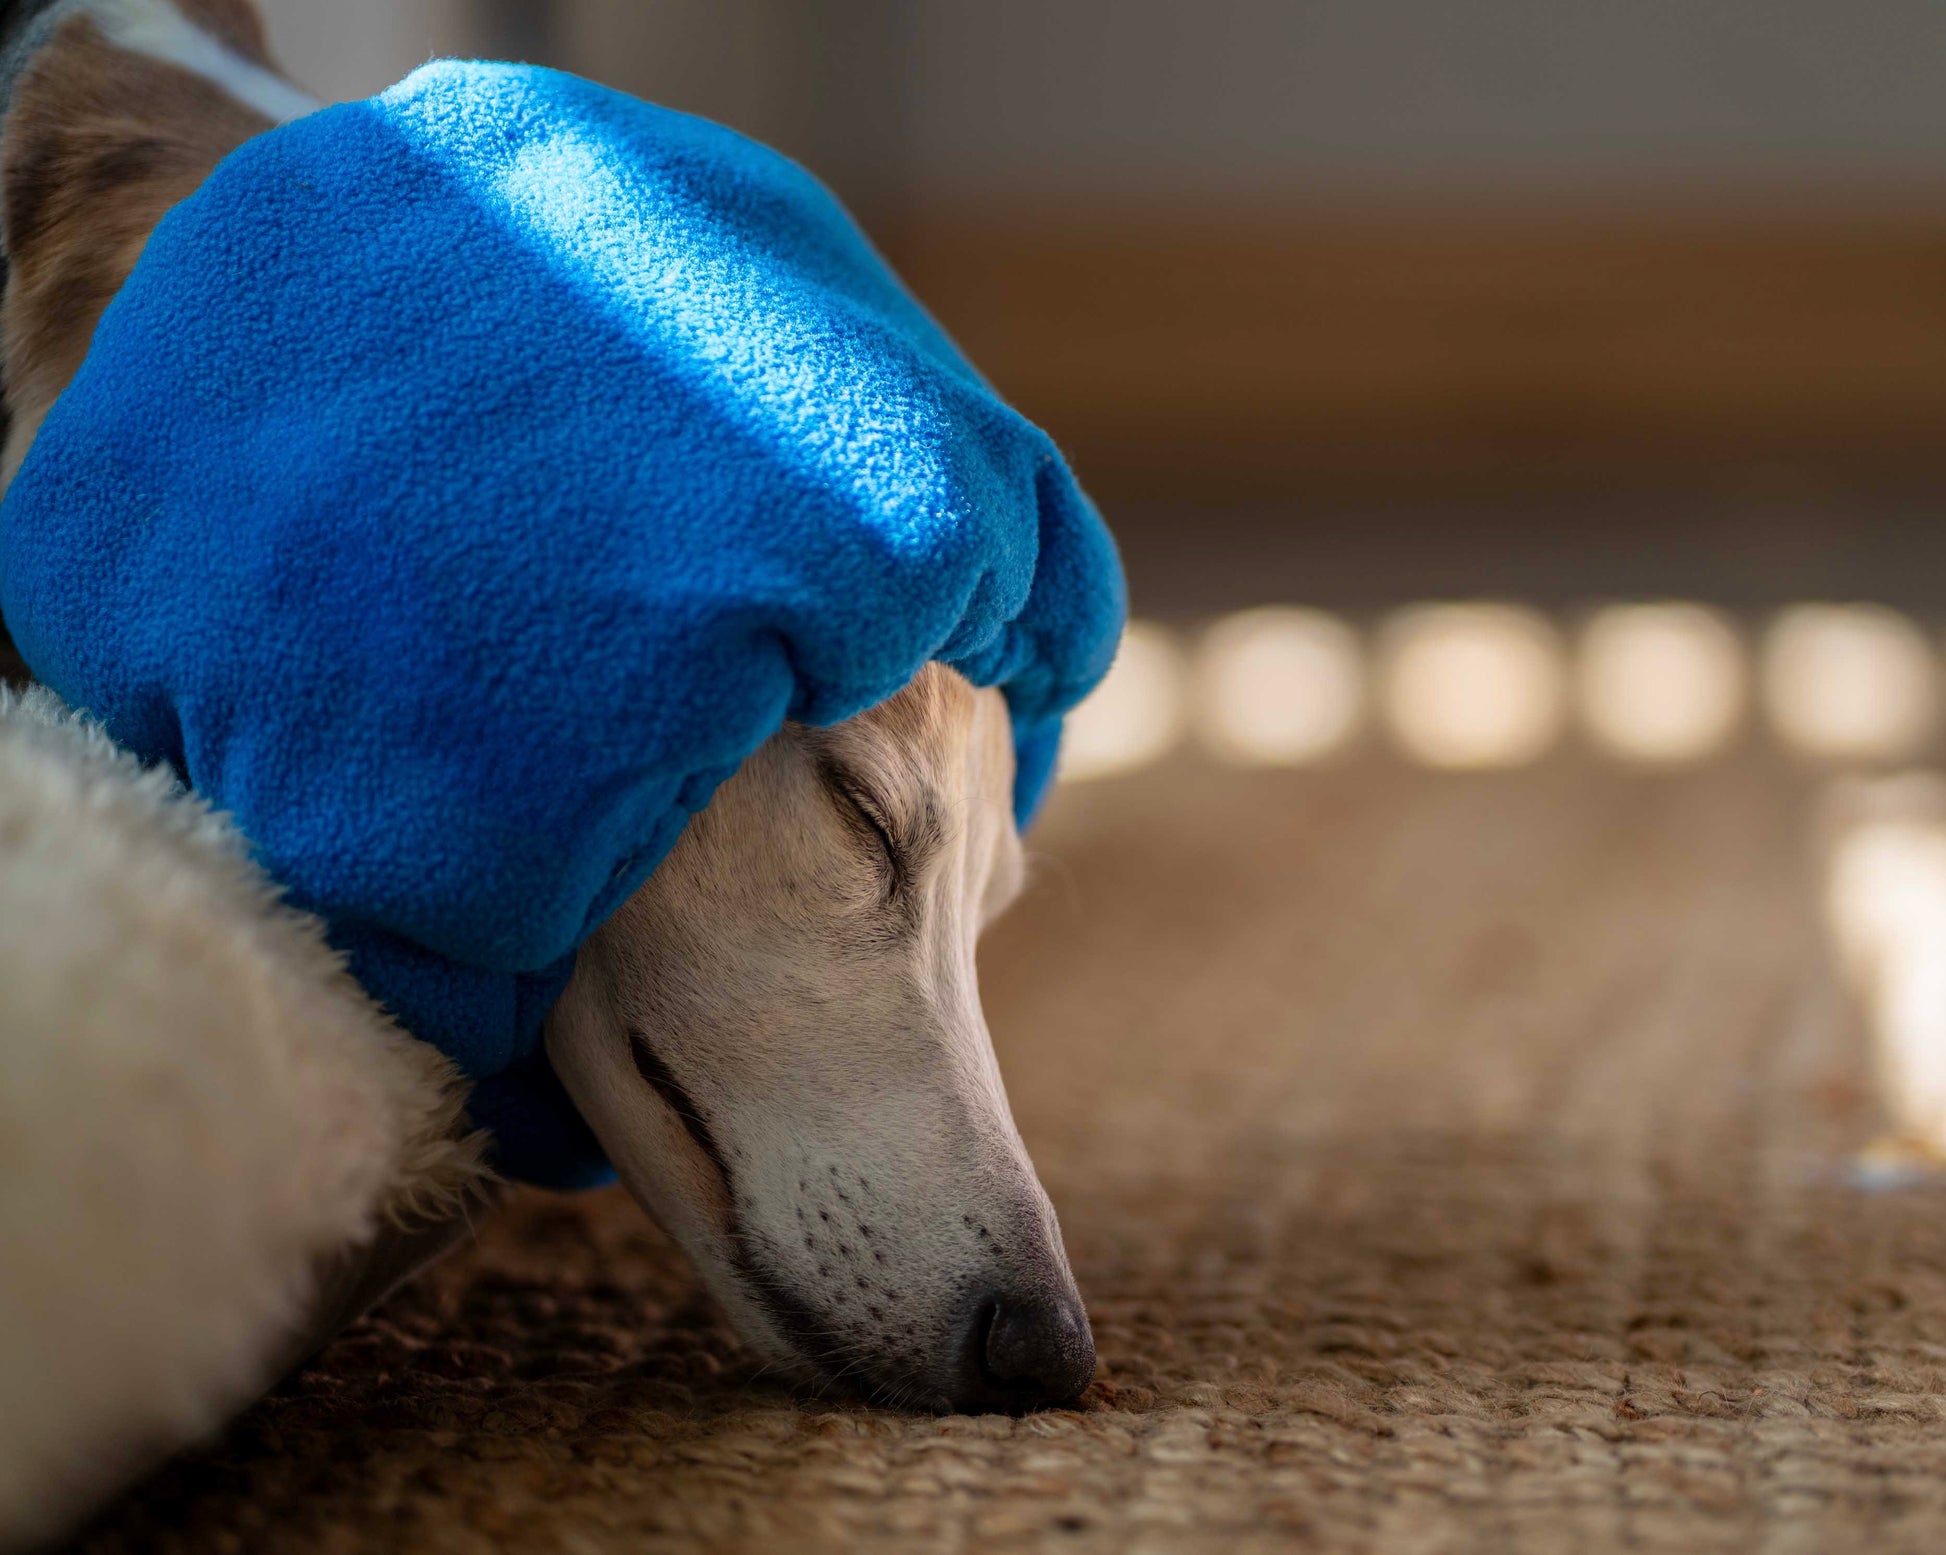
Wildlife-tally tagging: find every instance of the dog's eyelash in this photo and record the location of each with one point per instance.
(878, 827)
(866, 810)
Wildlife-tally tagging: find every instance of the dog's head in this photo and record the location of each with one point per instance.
(779, 1042)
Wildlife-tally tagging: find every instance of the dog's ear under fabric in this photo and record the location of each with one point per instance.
(466, 481)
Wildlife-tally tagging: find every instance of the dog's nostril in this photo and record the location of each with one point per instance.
(1029, 1353)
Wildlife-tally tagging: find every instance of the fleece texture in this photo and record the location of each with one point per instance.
(467, 480)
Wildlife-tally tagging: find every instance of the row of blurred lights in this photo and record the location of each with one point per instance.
(1484, 686)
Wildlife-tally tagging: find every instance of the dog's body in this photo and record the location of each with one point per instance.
(778, 1040)
(205, 1125)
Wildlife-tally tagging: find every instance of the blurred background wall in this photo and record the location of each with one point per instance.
(1159, 97)
(1374, 296)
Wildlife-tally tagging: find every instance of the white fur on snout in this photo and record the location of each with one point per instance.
(823, 1022)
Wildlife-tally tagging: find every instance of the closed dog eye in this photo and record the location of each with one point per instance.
(867, 815)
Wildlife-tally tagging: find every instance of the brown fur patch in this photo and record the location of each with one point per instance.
(97, 146)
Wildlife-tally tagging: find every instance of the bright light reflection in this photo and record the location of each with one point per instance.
(1849, 682)
(1660, 683)
(1135, 715)
(1278, 687)
(1885, 905)
(1472, 685)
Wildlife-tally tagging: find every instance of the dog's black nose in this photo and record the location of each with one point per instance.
(1024, 1352)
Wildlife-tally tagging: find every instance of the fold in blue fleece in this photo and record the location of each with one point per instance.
(467, 480)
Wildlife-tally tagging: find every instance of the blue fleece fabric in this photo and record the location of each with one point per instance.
(467, 480)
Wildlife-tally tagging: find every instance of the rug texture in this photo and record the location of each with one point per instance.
(1450, 1165)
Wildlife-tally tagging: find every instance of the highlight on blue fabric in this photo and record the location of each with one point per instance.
(467, 480)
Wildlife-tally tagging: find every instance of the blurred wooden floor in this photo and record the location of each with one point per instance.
(1451, 1165)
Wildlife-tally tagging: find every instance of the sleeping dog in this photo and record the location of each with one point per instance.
(777, 1039)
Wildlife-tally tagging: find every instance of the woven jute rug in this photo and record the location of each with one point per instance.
(1450, 1164)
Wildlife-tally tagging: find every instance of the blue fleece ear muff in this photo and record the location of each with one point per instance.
(467, 480)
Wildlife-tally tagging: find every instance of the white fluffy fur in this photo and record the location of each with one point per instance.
(199, 1110)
